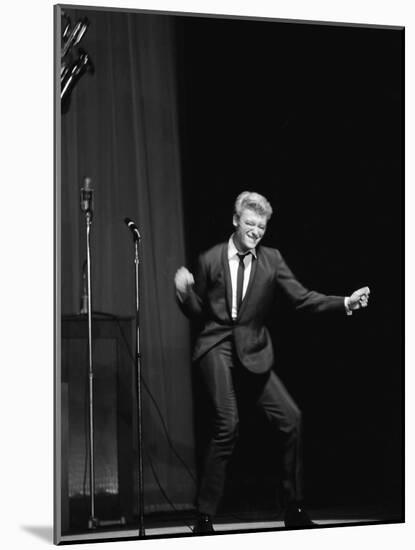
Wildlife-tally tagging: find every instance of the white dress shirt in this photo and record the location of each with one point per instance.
(233, 260)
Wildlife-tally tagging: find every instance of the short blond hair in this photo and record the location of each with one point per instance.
(253, 201)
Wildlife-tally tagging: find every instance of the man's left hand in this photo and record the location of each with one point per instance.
(359, 298)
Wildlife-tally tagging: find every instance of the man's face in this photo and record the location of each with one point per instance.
(249, 229)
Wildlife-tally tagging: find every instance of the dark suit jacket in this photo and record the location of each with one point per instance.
(211, 299)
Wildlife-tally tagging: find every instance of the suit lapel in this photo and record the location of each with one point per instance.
(228, 283)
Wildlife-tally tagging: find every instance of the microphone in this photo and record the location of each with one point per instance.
(87, 196)
(133, 228)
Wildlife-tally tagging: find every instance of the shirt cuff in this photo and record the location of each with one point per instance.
(346, 306)
(180, 296)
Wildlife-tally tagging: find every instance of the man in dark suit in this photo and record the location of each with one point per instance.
(235, 286)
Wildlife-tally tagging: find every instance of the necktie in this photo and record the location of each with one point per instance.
(240, 281)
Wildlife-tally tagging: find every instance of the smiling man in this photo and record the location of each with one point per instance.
(231, 295)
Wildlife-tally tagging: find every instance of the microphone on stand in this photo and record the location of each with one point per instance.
(133, 228)
(138, 378)
(87, 195)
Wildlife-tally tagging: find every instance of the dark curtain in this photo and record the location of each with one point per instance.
(122, 131)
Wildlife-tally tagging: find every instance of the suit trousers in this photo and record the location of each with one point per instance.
(224, 379)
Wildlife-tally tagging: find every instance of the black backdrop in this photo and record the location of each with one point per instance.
(311, 116)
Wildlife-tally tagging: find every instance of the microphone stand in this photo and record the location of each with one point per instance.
(137, 239)
(92, 522)
(139, 397)
(87, 208)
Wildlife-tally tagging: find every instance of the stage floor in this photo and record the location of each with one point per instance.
(182, 526)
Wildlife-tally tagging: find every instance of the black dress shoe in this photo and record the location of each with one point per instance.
(203, 525)
(296, 516)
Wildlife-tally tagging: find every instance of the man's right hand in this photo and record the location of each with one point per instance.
(183, 281)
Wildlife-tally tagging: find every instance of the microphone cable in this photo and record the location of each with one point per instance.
(163, 491)
(155, 404)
